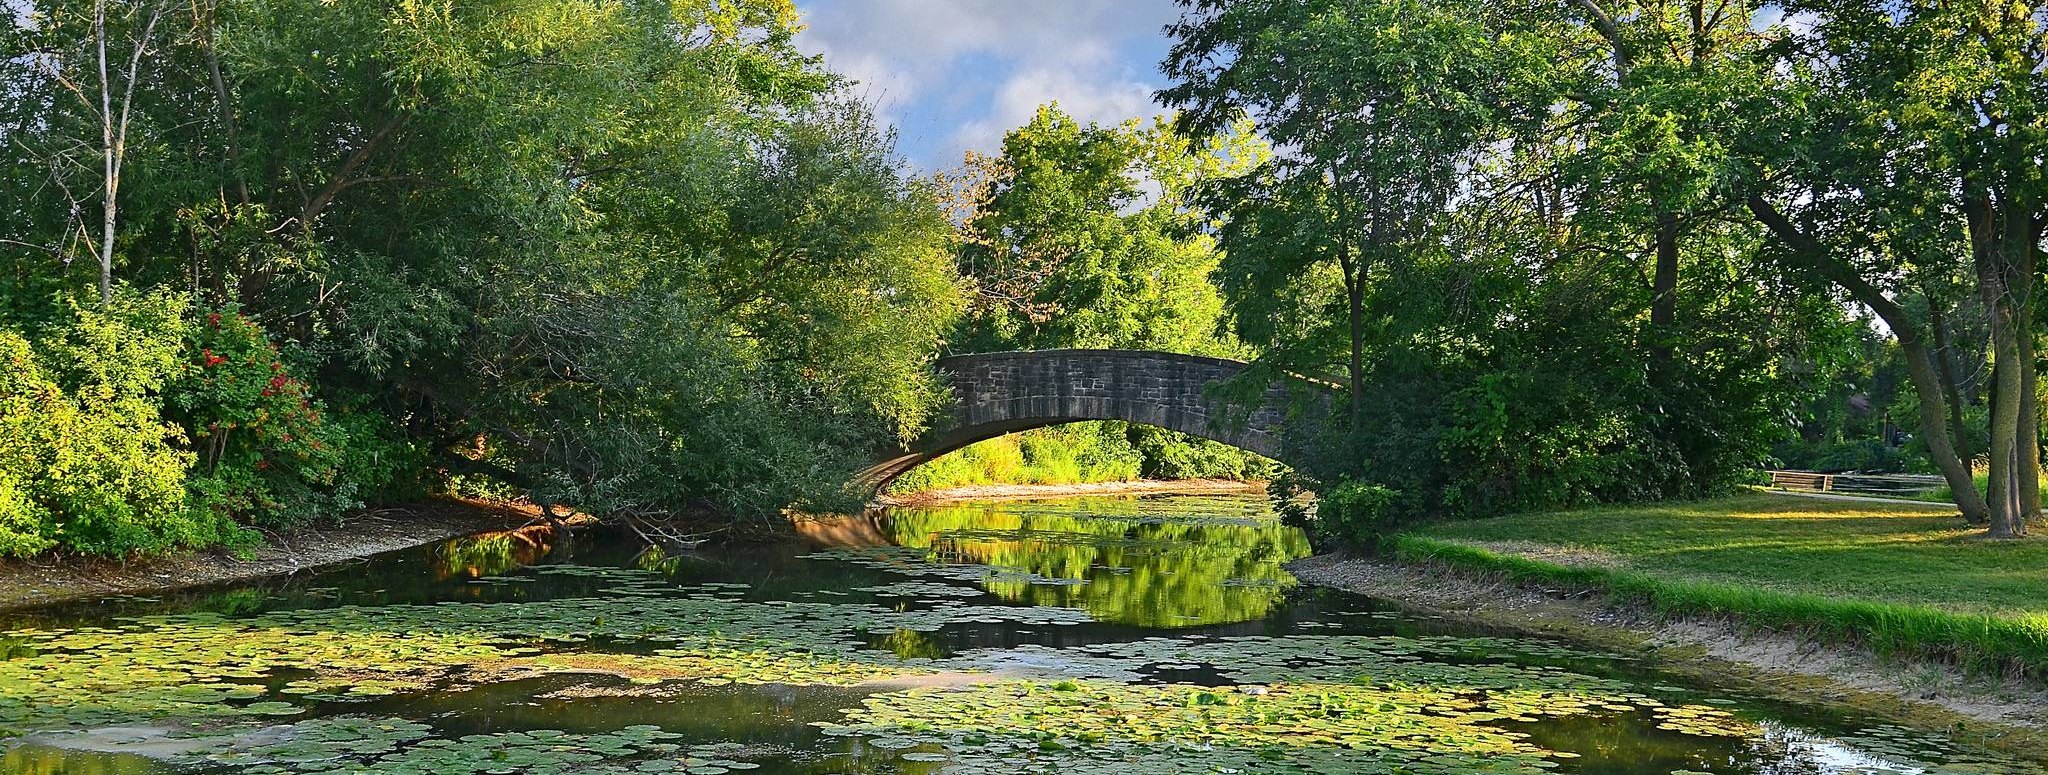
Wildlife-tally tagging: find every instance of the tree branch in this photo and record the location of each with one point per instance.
(341, 180)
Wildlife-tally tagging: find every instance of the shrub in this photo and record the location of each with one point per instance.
(86, 461)
(266, 453)
(1173, 455)
(1356, 512)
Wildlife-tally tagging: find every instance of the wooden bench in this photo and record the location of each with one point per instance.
(1803, 480)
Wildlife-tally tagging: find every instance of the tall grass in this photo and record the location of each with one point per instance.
(1980, 642)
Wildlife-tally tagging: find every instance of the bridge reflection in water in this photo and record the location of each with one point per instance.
(1172, 561)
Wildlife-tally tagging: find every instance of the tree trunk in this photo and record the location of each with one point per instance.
(1927, 389)
(1664, 289)
(2022, 239)
(109, 155)
(2003, 250)
(226, 104)
(1354, 289)
(1951, 391)
(2007, 389)
(2029, 471)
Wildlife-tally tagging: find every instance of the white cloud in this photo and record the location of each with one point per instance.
(986, 65)
(1082, 94)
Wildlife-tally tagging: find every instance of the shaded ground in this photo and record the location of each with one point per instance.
(50, 580)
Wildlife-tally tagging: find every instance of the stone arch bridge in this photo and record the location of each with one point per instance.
(1006, 392)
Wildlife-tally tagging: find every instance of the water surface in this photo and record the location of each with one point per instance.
(1099, 635)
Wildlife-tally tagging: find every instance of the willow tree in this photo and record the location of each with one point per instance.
(634, 255)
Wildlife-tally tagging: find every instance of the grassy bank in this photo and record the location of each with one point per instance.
(1899, 579)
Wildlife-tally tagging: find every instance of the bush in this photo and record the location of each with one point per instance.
(86, 461)
(1358, 513)
(266, 452)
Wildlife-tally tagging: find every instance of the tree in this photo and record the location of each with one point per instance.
(1484, 221)
(97, 57)
(1904, 155)
(1086, 236)
(637, 256)
(1374, 107)
(1651, 123)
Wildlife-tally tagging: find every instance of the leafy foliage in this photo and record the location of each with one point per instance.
(1455, 221)
(265, 452)
(87, 462)
(637, 256)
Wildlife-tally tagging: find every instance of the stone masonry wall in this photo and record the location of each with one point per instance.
(1004, 390)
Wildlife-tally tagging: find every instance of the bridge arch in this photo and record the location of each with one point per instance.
(999, 393)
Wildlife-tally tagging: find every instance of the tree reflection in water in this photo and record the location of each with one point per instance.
(495, 553)
(1200, 562)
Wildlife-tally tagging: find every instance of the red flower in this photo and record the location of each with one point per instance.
(213, 319)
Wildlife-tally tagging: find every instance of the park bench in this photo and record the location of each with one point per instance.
(1802, 480)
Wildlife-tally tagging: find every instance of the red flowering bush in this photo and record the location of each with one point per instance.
(266, 454)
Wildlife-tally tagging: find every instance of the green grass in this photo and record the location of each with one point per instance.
(1946, 494)
(1901, 579)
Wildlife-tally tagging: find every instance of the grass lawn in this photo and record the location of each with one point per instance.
(1896, 576)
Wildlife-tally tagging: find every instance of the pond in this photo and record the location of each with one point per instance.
(1104, 635)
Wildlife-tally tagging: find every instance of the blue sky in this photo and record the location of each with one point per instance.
(954, 75)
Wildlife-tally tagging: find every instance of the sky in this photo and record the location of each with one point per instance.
(954, 75)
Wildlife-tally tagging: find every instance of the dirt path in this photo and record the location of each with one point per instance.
(992, 492)
(46, 580)
(2003, 715)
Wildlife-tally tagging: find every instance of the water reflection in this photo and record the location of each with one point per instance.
(494, 553)
(1141, 562)
(1123, 636)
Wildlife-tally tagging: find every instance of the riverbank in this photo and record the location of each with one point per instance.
(2005, 715)
(1894, 578)
(46, 580)
(997, 492)
(1887, 606)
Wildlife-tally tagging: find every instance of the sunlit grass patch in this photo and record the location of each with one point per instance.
(1898, 578)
